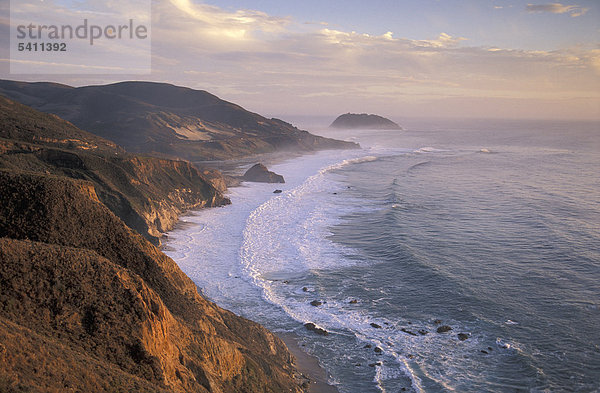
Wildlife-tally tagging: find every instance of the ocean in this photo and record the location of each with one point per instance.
(490, 228)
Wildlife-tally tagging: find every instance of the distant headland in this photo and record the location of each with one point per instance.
(363, 120)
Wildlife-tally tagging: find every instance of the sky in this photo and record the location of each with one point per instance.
(397, 58)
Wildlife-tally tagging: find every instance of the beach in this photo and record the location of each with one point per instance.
(308, 366)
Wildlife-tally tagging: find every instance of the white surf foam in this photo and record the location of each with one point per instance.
(429, 149)
(243, 254)
(208, 251)
(287, 233)
(285, 238)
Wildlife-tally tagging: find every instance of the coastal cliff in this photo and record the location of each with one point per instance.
(89, 305)
(147, 193)
(87, 301)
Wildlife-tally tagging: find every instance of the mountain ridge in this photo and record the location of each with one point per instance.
(167, 120)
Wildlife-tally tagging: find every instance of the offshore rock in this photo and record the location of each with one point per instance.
(260, 174)
(364, 121)
(313, 328)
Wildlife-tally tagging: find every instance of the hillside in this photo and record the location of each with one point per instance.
(364, 121)
(167, 120)
(89, 305)
(147, 193)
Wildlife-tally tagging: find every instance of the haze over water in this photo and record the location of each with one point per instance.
(491, 227)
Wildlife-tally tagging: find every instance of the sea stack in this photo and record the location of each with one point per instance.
(260, 174)
(365, 121)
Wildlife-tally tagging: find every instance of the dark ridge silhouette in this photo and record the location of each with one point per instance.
(167, 120)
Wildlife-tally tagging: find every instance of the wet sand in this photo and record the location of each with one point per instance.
(308, 365)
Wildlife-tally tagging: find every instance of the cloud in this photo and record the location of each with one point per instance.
(443, 41)
(276, 65)
(280, 65)
(233, 25)
(557, 8)
(353, 38)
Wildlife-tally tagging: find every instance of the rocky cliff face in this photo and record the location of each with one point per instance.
(89, 305)
(147, 193)
(167, 120)
(172, 187)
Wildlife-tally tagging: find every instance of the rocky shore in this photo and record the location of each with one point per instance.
(81, 289)
(90, 303)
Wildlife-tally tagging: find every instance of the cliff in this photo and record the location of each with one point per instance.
(364, 121)
(89, 305)
(166, 120)
(147, 193)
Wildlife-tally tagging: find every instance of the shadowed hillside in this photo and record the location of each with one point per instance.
(147, 193)
(167, 120)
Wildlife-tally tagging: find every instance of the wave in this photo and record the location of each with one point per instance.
(350, 161)
(283, 244)
(285, 241)
(286, 226)
(429, 149)
(417, 166)
(284, 247)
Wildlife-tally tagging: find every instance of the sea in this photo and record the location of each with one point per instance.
(488, 227)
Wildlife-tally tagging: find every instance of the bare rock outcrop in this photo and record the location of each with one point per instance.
(259, 173)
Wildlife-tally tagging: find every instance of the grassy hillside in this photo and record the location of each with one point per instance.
(89, 305)
(147, 193)
(167, 120)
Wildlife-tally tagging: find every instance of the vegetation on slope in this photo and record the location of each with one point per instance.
(147, 193)
(167, 120)
(89, 305)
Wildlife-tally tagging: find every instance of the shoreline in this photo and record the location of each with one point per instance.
(307, 365)
(235, 166)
